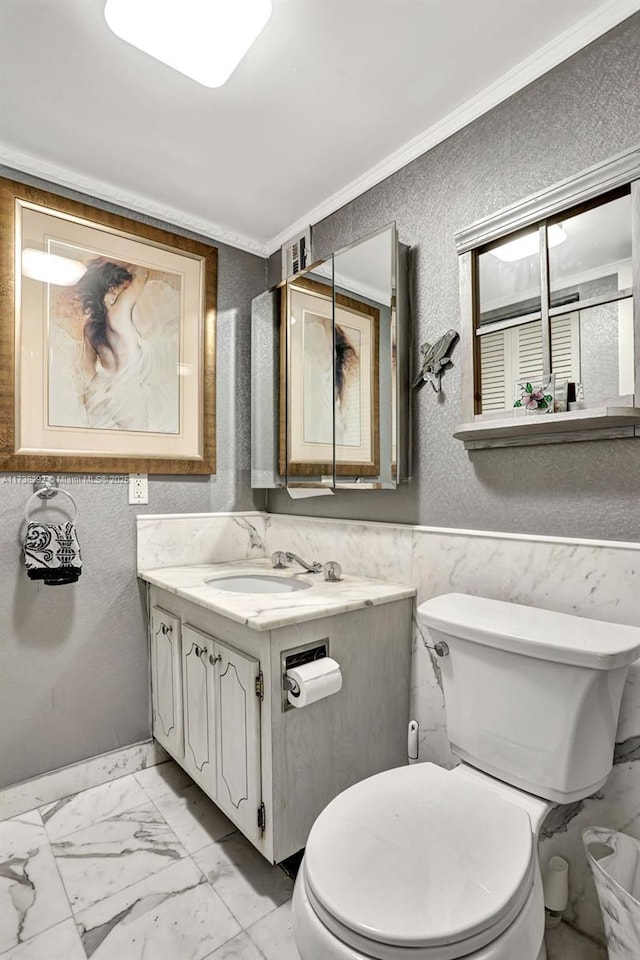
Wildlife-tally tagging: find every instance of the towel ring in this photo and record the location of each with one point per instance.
(45, 493)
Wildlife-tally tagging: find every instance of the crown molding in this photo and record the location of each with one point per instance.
(604, 18)
(70, 179)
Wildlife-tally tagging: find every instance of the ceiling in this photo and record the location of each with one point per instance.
(333, 96)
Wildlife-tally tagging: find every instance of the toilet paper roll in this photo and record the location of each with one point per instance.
(316, 680)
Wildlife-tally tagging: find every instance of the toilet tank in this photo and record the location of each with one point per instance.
(532, 696)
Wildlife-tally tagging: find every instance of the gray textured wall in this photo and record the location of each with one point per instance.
(583, 111)
(73, 668)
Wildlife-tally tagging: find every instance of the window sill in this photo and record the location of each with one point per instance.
(596, 423)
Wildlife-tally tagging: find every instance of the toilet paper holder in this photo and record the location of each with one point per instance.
(294, 658)
(290, 685)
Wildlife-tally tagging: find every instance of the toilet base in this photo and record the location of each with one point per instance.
(524, 938)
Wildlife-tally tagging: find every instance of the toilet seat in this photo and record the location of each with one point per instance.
(418, 859)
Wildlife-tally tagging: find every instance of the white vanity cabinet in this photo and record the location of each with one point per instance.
(220, 710)
(222, 726)
(199, 708)
(166, 681)
(206, 713)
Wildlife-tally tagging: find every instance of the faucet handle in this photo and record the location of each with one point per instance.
(332, 571)
(279, 560)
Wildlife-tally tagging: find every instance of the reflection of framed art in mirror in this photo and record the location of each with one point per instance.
(327, 400)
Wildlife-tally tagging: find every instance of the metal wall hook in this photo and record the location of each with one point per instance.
(46, 486)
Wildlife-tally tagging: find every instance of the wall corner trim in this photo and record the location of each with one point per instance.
(65, 781)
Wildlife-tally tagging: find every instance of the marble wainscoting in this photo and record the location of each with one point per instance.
(65, 781)
(381, 551)
(173, 540)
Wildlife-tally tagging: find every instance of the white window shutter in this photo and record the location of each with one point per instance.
(529, 351)
(516, 354)
(565, 347)
(494, 355)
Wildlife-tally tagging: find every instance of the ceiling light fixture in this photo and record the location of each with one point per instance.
(203, 39)
(50, 268)
(529, 244)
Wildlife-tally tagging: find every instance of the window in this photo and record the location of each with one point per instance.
(547, 288)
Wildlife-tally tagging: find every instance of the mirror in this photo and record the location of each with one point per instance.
(365, 359)
(330, 372)
(587, 295)
(307, 435)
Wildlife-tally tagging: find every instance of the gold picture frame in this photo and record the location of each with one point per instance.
(112, 373)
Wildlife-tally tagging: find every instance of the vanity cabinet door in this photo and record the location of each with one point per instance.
(199, 708)
(166, 687)
(239, 784)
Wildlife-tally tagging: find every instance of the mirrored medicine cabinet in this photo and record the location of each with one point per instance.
(550, 299)
(329, 372)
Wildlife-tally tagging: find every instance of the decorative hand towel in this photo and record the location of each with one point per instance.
(52, 553)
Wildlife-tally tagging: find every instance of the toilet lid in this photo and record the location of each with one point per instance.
(415, 857)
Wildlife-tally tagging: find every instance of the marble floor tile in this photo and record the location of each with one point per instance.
(194, 818)
(173, 915)
(32, 897)
(240, 948)
(249, 885)
(108, 856)
(274, 935)
(565, 943)
(98, 803)
(164, 778)
(61, 942)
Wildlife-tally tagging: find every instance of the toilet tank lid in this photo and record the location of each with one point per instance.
(533, 631)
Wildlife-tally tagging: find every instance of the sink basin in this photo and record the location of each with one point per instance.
(257, 583)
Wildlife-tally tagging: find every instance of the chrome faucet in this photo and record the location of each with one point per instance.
(332, 571)
(280, 558)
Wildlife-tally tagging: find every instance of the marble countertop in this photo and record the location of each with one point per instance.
(267, 611)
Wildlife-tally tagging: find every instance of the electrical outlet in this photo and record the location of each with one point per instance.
(138, 488)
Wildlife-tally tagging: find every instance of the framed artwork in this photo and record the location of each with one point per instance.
(332, 384)
(107, 341)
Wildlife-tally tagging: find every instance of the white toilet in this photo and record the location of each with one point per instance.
(429, 864)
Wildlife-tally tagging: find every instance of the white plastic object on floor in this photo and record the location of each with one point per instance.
(555, 884)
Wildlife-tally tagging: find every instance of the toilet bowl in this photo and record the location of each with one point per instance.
(430, 864)
(424, 863)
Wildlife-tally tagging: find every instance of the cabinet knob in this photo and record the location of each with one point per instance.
(213, 659)
(166, 628)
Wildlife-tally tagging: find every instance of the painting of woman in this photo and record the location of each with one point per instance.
(114, 357)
